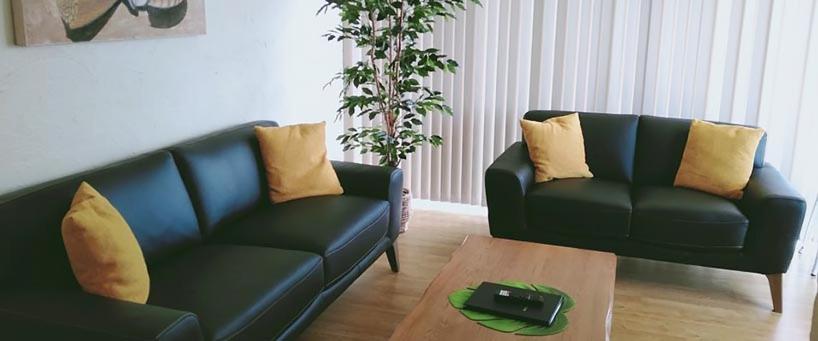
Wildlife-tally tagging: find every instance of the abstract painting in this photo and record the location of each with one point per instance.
(44, 22)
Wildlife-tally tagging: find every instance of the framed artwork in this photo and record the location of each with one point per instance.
(46, 22)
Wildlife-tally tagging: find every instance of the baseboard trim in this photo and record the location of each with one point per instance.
(449, 207)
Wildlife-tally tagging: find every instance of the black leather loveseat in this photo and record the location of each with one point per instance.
(224, 262)
(631, 208)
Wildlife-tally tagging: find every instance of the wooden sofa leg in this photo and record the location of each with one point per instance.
(392, 255)
(776, 290)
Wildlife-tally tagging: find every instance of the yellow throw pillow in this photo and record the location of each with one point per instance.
(557, 148)
(718, 158)
(103, 252)
(295, 159)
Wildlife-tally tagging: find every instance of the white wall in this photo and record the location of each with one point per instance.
(64, 109)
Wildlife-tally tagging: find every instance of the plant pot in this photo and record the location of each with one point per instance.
(406, 200)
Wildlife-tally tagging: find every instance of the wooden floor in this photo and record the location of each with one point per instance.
(653, 300)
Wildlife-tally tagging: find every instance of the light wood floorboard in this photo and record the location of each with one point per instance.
(653, 300)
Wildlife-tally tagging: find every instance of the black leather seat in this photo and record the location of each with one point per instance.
(343, 232)
(224, 262)
(687, 218)
(630, 207)
(246, 291)
(584, 207)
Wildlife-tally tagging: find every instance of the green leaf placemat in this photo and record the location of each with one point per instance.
(458, 300)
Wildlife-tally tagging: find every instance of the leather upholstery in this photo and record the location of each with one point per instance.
(151, 196)
(586, 207)
(241, 291)
(75, 315)
(609, 142)
(342, 229)
(238, 290)
(661, 143)
(687, 218)
(776, 212)
(381, 183)
(757, 233)
(332, 292)
(507, 182)
(32, 254)
(223, 174)
(147, 191)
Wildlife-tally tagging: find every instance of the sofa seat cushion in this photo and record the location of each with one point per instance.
(342, 229)
(247, 291)
(686, 218)
(583, 207)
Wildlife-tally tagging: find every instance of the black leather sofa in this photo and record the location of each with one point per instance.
(631, 208)
(224, 262)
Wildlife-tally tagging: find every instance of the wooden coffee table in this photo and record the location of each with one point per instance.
(588, 276)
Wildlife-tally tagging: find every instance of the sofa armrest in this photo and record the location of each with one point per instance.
(776, 213)
(507, 180)
(384, 183)
(75, 315)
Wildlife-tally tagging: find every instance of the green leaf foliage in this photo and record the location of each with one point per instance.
(386, 86)
(458, 300)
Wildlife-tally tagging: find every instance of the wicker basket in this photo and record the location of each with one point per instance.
(406, 200)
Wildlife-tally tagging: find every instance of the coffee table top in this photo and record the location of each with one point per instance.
(588, 276)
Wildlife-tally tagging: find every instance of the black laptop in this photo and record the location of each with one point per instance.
(515, 303)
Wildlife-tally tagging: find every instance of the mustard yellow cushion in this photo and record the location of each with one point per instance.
(296, 163)
(556, 147)
(103, 252)
(718, 158)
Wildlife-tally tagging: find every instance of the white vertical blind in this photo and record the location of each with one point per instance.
(743, 61)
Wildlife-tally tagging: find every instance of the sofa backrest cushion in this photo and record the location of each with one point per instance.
(660, 144)
(610, 142)
(224, 174)
(151, 195)
(148, 191)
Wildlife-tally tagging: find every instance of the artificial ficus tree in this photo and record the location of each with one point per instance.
(386, 86)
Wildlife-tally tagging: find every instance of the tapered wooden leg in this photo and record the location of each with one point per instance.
(392, 254)
(776, 290)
